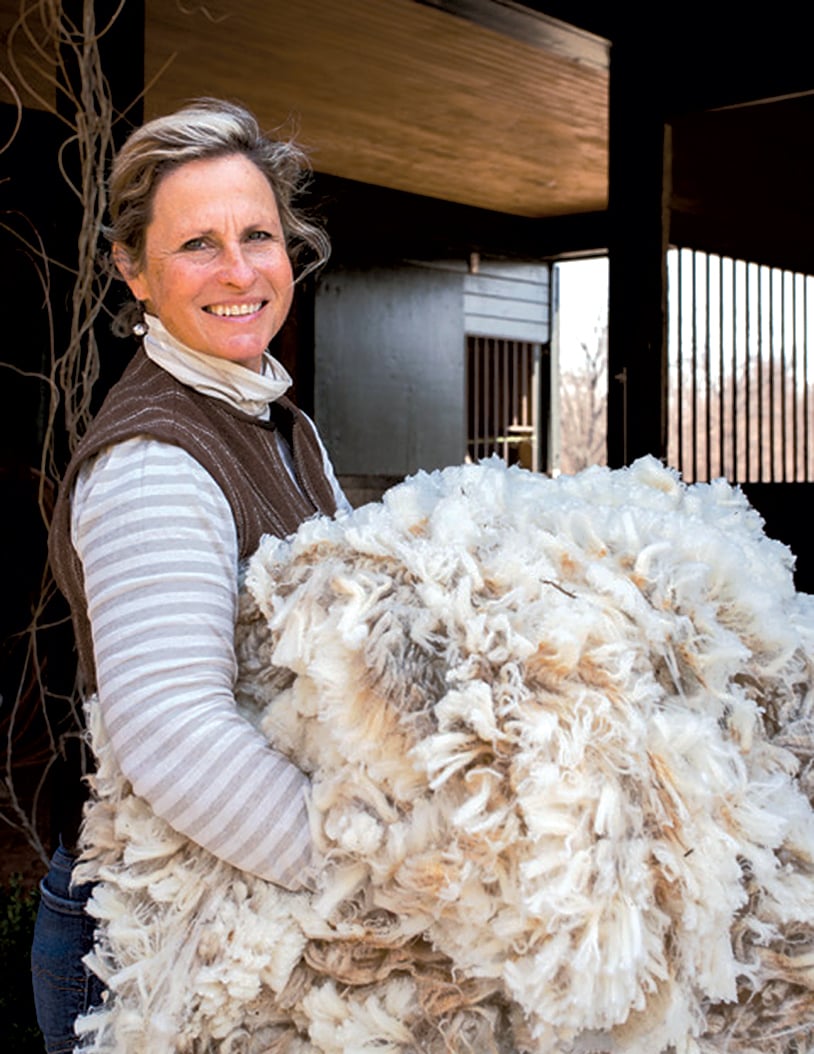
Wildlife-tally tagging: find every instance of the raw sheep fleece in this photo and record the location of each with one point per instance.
(560, 733)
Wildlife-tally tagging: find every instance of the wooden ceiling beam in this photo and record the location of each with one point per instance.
(530, 27)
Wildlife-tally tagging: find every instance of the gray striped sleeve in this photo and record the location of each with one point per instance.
(159, 551)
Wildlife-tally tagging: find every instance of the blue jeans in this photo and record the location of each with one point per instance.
(64, 988)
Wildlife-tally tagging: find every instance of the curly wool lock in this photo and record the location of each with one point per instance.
(556, 731)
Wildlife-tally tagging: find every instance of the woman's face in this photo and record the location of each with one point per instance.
(216, 271)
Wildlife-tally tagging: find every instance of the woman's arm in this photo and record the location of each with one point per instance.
(159, 550)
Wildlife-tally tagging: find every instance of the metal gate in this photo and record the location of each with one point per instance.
(741, 370)
(503, 400)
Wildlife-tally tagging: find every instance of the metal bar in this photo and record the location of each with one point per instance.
(495, 422)
(734, 378)
(760, 382)
(783, 399)
(485, 400)
(747, 386)
(721, 374)
(535, 380)
(503, 423)
(473, 385)
(523, 412)
(772, 409)
(795, 431)
(694, 383)
(481, 403)
(708, 372)
(679, 355)
(806, 388)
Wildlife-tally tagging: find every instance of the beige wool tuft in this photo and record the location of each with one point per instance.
(560, 739)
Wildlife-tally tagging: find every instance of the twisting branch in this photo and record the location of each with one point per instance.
(66, 56)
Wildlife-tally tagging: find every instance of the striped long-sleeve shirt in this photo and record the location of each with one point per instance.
(158, 545)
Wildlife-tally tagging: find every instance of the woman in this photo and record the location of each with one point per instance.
(195, 454)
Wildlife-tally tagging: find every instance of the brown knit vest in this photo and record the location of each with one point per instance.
(240, 452)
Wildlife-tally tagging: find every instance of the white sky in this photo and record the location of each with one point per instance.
(583, 306)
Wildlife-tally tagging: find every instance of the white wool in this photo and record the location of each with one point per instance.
(377, 1024)
(559, 733)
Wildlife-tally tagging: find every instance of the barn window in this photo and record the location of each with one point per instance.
(503, 380)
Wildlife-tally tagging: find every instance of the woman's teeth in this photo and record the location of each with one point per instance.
(226, 310)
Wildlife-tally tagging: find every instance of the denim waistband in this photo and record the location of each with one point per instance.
(59, 875)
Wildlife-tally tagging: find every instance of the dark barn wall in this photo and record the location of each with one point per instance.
(38, 213)
(785, 508)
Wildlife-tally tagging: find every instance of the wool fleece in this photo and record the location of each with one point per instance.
(559, 734)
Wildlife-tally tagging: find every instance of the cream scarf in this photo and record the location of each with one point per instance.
(234, 384)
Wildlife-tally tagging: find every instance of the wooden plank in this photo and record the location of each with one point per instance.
(394, 93)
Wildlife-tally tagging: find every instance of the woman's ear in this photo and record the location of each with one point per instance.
(126, 268)
(122, 261)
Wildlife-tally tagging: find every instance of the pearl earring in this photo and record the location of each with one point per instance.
(139, 328)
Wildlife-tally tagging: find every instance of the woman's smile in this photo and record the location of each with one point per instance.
(234, 310)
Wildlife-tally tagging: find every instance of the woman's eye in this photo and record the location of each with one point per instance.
(194, 244)
(259, 236)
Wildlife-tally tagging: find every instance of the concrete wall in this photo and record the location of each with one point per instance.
(389, 369)
(390, 362)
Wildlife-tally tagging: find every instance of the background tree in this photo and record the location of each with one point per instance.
(583, 405)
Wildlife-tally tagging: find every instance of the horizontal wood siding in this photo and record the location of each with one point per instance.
(509, 301)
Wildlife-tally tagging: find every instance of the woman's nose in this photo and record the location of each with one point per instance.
(236, 266)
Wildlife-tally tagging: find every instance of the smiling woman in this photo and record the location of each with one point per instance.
(215, 270)
(195, 454)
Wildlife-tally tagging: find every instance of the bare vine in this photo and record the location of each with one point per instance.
(66, 56)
